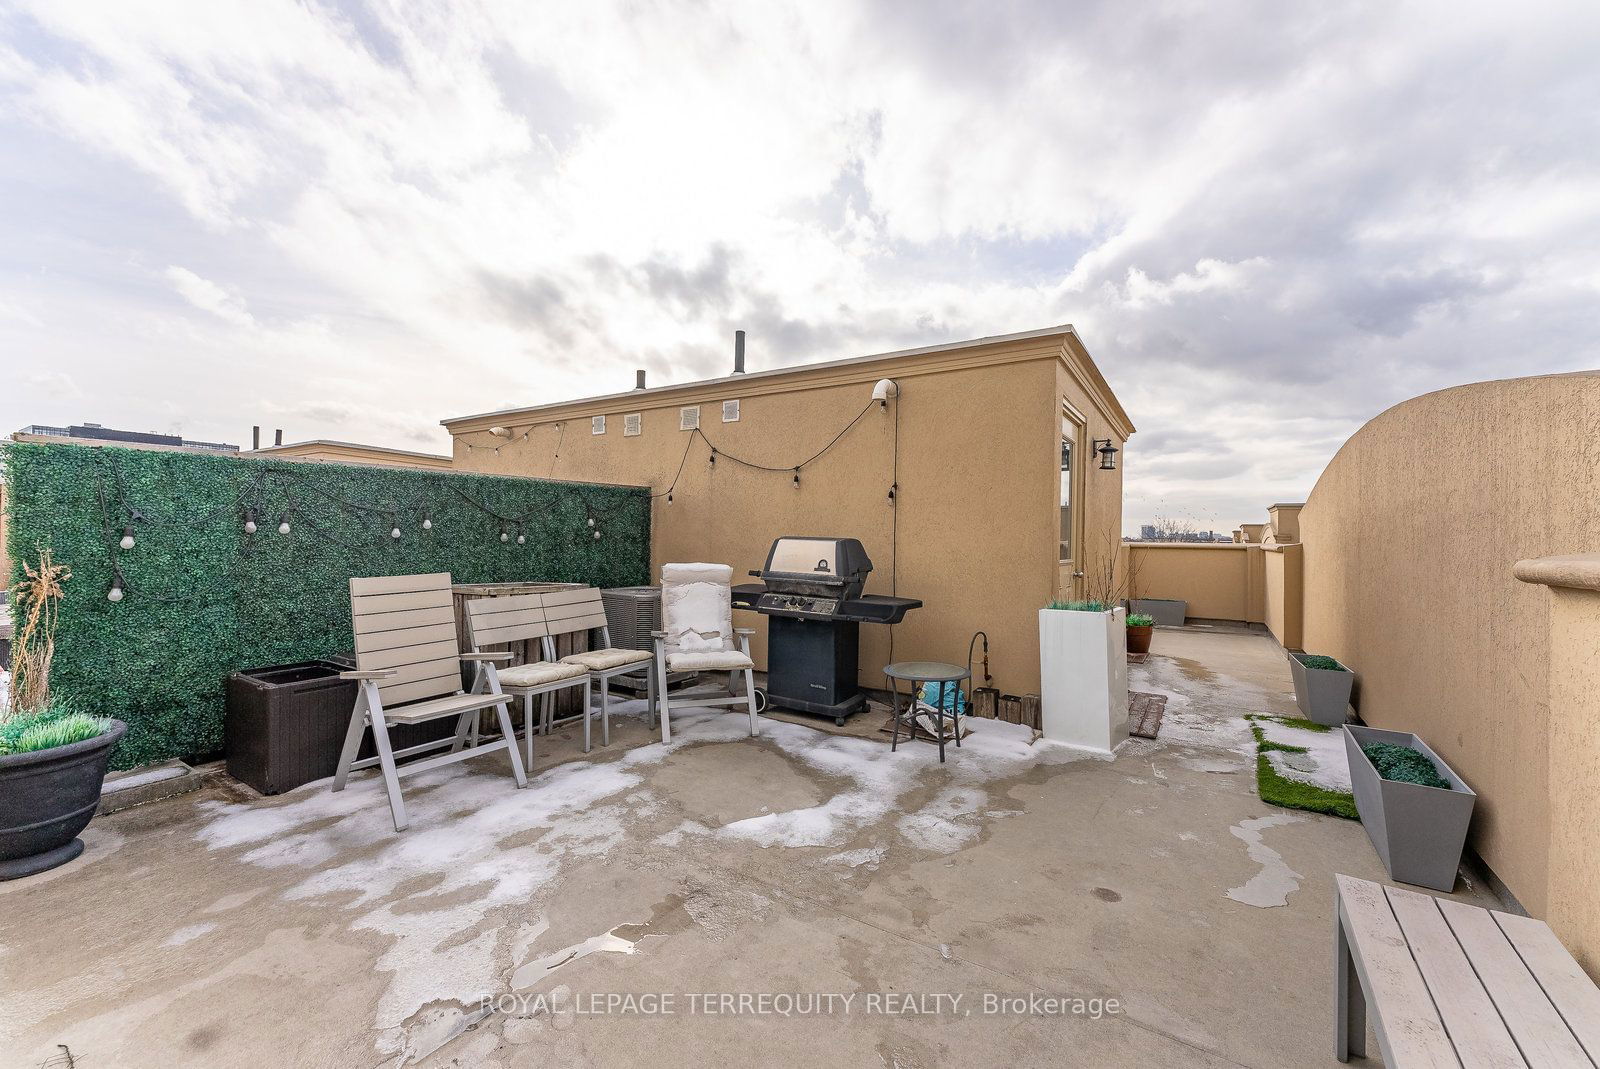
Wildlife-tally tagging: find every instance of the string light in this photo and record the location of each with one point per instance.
(503, 536)
(250, 521)
(115, 593)
(797, 478)
(521, 538)
(127, 538)
(597, 536)
(394, 532)
(669, 497)
(427, 522)
(283, 524)
(591, 521)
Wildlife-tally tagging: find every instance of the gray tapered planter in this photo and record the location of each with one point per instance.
(1323, 694)
(1418, 831)
(1167, 612)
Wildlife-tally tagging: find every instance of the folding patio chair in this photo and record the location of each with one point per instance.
(408, 667)
(568, 611)
(520, 618)
(697, 635)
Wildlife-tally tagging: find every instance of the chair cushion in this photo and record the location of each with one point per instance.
(708, 661)
(600, 660)
(538, 673)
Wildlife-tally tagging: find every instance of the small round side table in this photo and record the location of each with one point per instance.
(915, 672)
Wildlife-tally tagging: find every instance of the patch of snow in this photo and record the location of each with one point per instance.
(944, 825)
(1324, 764)
(1276, 881)
(870, 856)
(189, 934)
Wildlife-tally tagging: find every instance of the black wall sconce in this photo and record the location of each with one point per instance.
(1108, 453)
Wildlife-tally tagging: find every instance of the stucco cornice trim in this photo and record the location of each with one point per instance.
(1576, 571)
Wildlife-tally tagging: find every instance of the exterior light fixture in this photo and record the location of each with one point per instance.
(249, 521)
(127, 538)
(1108, 453)
(283, 524)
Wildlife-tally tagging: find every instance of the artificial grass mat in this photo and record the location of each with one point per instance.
(1277, 789)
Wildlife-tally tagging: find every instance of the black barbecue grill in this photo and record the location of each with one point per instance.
(811, 590)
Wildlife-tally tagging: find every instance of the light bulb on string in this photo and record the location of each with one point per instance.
(394, 532)
(427, 522)
(503, 536)
(127, 538)
(669, 497)
(115, 593)
(591, 521)
(797, 478)
(521, 538)
(597, 536)
(283, 524)
(250, 521)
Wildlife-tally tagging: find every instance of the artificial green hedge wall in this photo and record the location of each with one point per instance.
(202, 598)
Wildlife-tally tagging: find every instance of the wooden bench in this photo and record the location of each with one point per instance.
(1451, 984)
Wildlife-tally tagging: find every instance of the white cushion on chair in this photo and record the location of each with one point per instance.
(538, 673)
(708, 661)
(600, 660)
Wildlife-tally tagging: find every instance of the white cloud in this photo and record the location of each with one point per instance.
(1250, 213)
(210, 297)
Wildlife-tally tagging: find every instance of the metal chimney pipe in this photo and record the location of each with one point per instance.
(738, 352)
(638, 379)
(277, 436)
(255, 438)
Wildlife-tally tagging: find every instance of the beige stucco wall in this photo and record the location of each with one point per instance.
(1219, 580)
(1284, 588)
(1409, 537)
(977, 507)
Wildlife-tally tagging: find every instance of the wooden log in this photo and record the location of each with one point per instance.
(985, 702)
(1011, 708)
(1032, 715)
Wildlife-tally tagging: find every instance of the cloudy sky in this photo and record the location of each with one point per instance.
(1268, 221)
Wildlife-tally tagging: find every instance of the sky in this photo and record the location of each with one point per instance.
(1268, 222)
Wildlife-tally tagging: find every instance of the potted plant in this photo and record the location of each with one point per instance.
(1140, 628)
(1413, 805)
(52, 757)
(1321, 687)
(1083, 668)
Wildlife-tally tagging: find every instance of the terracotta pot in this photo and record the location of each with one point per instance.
(1139, 638)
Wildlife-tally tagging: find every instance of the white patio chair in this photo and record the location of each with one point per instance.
(408, 665)
(520, 618)
(697, 635)
(569, 611)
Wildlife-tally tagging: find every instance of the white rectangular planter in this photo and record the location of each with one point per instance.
(1083, 668)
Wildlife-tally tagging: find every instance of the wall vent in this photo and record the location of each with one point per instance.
(689, 418)
(597, 425)
(730, 411)
(630, 425)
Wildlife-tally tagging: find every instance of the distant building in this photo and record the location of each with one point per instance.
(94, 432)
(1148, 532)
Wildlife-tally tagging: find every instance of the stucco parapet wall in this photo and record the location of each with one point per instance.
(1577, 571)
(1060, 343)
(1194, 545)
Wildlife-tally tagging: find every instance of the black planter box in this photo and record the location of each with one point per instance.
(286, 724)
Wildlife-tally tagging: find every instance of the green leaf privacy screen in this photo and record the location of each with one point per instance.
(188, 566)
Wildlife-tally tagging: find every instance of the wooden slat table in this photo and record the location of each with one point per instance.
(1455, 985)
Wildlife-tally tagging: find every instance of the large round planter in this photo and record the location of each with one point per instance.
(1139, 638)
(47, 798)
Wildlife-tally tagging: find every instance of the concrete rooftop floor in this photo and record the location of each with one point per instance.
(219, 930)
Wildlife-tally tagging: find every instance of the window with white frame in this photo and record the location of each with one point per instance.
(1071, 431)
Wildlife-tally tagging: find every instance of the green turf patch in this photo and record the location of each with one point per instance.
(1277, 789)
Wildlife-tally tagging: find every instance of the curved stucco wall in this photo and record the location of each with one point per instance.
(1409, 537)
